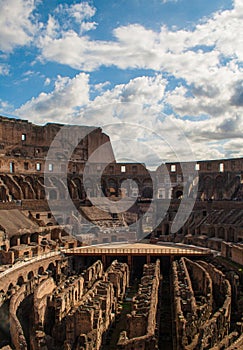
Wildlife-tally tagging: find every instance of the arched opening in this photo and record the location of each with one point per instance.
(179, 194)
(112, 187)
(41, 270)
(24, 239)
(30, 275)
(34, 237)
(221, 233)
(208, 187)
(147, 192)
(219, 186)
(211, 232)
(49, 224)
(231, 235)
(27, 190)
(166, 229)
(20, 281)
(14, 241)
(10, 287)
(51, 270)
(3, 195)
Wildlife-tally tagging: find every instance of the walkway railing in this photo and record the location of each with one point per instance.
(135, 251)
(29, 261)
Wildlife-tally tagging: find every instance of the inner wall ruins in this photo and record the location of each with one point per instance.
(93, 278)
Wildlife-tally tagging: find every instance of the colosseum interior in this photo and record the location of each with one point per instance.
(75, 275)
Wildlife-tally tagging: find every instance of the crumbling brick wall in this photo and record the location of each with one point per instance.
(201, 321)
(141, 323)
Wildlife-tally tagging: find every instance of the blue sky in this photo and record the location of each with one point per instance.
(169, 67)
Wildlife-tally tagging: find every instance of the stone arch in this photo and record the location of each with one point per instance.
(24, 239)
(3, 194)
(34, 237)
(20, 281)
(147, 182)
(41, 180)
(10, 287)
(29, 180)
(147, 192)
(14, 188)
(51, 268)
(27, 190)
(39, 187)
(219, 186)
(41, 270)
(59, 186)
(103, 186)
(138, 182)
(14, 241)
(124, 189)
(136, 192)
(231, 234)
(208, 187)
(112, 186)
(30, 275)
(221, 233)
(211, 232)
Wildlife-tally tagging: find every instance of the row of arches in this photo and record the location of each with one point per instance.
(50, 269)
(226, 234)
(18, 187)
(219, 187)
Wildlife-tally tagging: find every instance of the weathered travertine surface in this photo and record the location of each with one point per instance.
(202, 297)
(141, 323)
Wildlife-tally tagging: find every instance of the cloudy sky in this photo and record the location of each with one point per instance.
(162, 77)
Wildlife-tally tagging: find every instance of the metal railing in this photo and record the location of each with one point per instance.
(28, 261)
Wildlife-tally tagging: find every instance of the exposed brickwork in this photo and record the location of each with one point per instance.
(141, 323)
(74, 303)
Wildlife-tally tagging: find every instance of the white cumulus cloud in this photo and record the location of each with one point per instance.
(16, 23)
(60, 104)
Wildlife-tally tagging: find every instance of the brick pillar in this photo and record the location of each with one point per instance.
(104, 261)
(129, 262)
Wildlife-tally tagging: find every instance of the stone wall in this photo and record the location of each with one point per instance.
(16, 331)
(78, 311)
(141, 323)
(18, 274)
(67, 296)
(118, 274)
(41, 295)
(202, 297)
(87, 323)
(24, 146)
